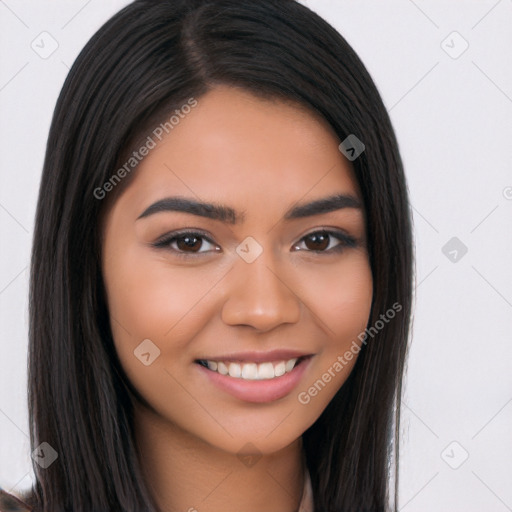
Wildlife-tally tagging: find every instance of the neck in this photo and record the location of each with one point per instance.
(186, 474)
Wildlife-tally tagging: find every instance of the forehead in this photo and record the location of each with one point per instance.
(236, 148)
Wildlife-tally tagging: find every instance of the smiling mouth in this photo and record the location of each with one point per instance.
(252, 371)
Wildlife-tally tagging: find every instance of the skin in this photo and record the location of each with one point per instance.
(261, 158)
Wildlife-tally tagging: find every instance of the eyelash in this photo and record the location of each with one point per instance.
(346, 241)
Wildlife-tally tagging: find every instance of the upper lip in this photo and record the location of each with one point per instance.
(258, 357)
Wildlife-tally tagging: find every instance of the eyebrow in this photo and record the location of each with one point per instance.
(229, 215)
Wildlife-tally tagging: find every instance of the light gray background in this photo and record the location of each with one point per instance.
(453, 118)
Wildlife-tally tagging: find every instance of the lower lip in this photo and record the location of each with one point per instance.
(258, 391)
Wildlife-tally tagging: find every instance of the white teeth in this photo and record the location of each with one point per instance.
(280, 369)
(235, 370)
(266, 371)
(222, 368)
(252, 371)
(290, 364)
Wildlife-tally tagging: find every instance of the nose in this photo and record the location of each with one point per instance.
(258, 296)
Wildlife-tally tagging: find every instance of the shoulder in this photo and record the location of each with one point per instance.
(12, 503)
(306, 503)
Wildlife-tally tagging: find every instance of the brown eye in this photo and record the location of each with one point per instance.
(326, 242)
(317, 241)
(189, 243)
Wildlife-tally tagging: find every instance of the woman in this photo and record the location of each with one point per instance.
(221, 270)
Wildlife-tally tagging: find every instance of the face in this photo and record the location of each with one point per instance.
(239, 247)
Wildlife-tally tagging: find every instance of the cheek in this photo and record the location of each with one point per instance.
(341, 300)
(150, 300)
(341, 297)
(148, 297)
